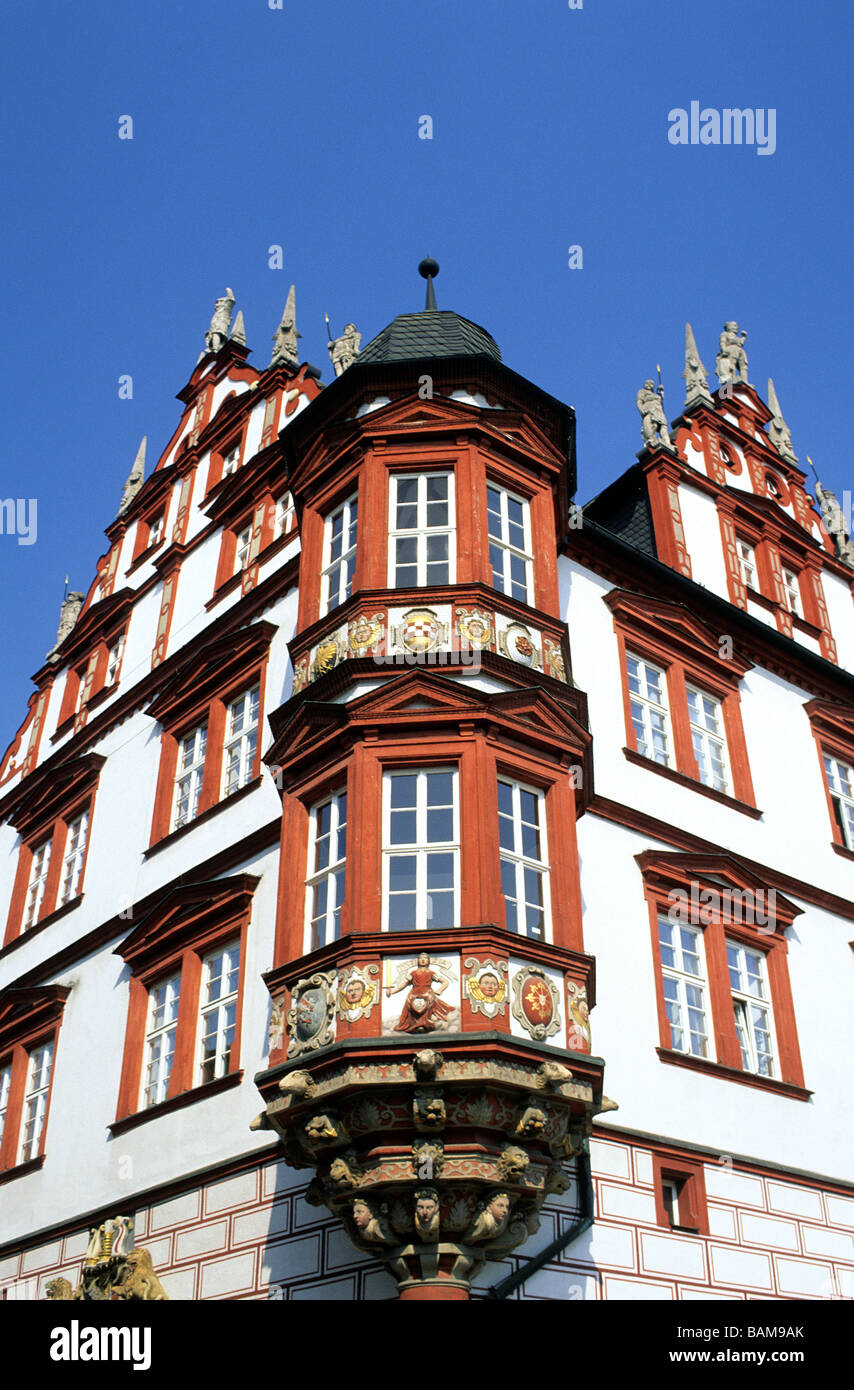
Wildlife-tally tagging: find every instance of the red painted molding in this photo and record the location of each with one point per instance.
(745, 1078)
(179, 1102)
(693, 783)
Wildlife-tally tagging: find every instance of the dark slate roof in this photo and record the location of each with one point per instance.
(432, 333)
(623, 508)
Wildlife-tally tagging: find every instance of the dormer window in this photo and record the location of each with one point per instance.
(747, 560)
(792, 592)
(156, 528)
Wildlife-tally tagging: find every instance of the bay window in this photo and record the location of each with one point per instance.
(523, 859)
(339, 555)
(327, 857)
(421, 530)
(510, 549)
(421, 849)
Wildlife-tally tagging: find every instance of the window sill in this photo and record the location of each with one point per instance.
(842, 849)
(144, 555)
(22, 1169)
(210, 1088)
(101, 695)
(64, 728)
(744, 1078)
(695, 785)
(45, 922)
(205, 815)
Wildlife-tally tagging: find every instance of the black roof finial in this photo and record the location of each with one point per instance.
(429, 268)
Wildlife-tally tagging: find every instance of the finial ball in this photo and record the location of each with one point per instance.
(428, 267)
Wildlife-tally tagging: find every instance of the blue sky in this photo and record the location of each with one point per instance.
(299, 127)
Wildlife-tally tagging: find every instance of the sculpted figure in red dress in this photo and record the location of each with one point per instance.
(423, 1011)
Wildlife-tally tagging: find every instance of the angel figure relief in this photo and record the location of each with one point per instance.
(423, 1011)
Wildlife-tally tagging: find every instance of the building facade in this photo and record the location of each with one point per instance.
(376, 802)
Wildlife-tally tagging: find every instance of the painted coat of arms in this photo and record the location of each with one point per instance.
(311, 1015)
(420, 631)
(516, 642)
(536, 1003)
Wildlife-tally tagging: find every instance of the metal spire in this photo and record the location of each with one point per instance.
(429, 268)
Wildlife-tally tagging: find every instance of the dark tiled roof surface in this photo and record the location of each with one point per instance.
(623, 508)
(432, 333)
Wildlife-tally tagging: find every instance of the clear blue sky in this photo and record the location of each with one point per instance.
(300, 126)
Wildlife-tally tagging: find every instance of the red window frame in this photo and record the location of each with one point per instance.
(667, 873)
(670, 1165)
(445, 735)
(225, 669)
(689, 654)
(186, 926)
(47, 817)
(833, 730)
(29, 1018)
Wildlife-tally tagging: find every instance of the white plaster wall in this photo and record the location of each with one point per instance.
(840, 608)
(703, 539)
(658, 1098)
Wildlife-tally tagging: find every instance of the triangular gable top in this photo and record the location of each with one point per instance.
(183, 912)
(25, 1010)
(215, 664)
(48, 791)
(767, 509)
(678, 625)
(537, 707)
(710, 869)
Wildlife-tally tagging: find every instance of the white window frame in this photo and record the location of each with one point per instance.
(241, 740)
(321, 928)
(519, 861)
(421, 532)
(39, 869)
(156, 530)
(114, 659)
(191, 772)
(39, 1072)
(231, 460)
(792, 592)
(156, 1069)
(503, 544)
(221, 1010)
(338, 572)
(420, 848)
(77, 837)
(242, 546)
(685, 979)
(745, 1001)
(652, 715)
(840, 784)
(5, 1090)
(706, 741)
(747, 563)
(285, 511)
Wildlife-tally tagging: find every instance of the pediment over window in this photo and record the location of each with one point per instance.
(681, 632)
(24, 1012)
(49, 791)
(831, 720)
(186, 915)
(740, 893)
(213, 667)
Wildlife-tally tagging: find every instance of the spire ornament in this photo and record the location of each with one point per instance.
(135, 478)
(429, 269)
(220, 322)
(696, 380)
(285, 346)
(778, 430)
(238, 331)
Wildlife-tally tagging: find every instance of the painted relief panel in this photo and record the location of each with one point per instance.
(421, 994)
